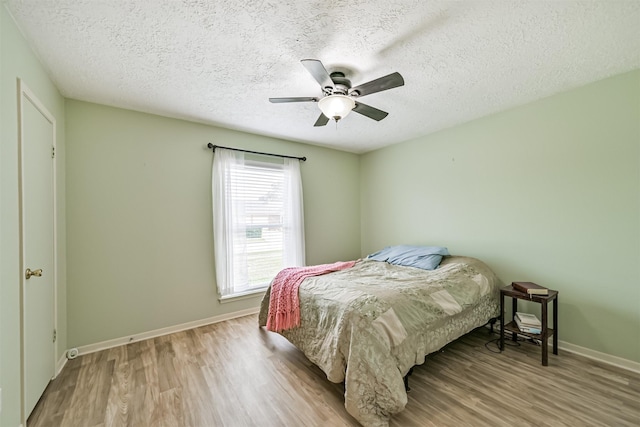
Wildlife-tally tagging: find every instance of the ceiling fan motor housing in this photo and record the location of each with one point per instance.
(341, 84)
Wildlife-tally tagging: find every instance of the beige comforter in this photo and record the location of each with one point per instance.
(368, 325)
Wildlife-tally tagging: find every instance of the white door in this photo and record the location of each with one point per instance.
(37, 142)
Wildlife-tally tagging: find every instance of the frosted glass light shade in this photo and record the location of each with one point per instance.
(336, 107)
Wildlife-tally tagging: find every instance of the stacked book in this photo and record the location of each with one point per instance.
(528, 323)
(530, 288)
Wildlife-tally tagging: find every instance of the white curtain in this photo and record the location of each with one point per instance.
(229, 228)
(293, 221)
(229, 219)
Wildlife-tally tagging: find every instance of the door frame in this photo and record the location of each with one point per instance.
(26, 95)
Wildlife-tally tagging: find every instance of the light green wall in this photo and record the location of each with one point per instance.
(548, 192)
(140, 239)
(2, 265)
(18, 61)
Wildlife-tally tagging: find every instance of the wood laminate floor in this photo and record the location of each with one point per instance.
(236, 374)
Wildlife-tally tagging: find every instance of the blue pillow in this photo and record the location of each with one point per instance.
(425, 257)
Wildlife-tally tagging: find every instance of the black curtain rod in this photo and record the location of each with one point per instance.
(213, 147)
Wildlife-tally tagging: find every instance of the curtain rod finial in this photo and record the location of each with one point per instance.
(210, 145)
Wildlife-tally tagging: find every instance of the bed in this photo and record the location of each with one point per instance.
(368, 325)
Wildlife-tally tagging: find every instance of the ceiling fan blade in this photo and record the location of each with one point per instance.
(298, 99)
(369, 111)
(318, 72)
(322, 120)
(383, 83)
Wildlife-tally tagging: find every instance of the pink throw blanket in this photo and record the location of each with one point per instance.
(284, 302)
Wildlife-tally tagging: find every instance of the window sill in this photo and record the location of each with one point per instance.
(241, 295)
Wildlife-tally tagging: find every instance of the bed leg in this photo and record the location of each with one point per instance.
(492, 322)
(406, 380)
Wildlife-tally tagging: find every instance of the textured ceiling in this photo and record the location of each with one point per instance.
(218, 62)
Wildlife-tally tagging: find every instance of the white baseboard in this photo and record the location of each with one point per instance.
(60, 365)
(609, 359)
(92, 348)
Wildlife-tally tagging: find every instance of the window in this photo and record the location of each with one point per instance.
(257, 218)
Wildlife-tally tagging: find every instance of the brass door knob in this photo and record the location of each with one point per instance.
(29, 273)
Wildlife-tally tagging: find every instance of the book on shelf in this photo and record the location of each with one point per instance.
(530, 288)
(527, 329)
(527, 319)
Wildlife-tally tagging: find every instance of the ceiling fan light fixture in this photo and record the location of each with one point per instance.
(336, 107)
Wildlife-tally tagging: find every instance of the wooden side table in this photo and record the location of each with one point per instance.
(546, 332)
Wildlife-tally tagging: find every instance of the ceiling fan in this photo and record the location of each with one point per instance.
(339, 98)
